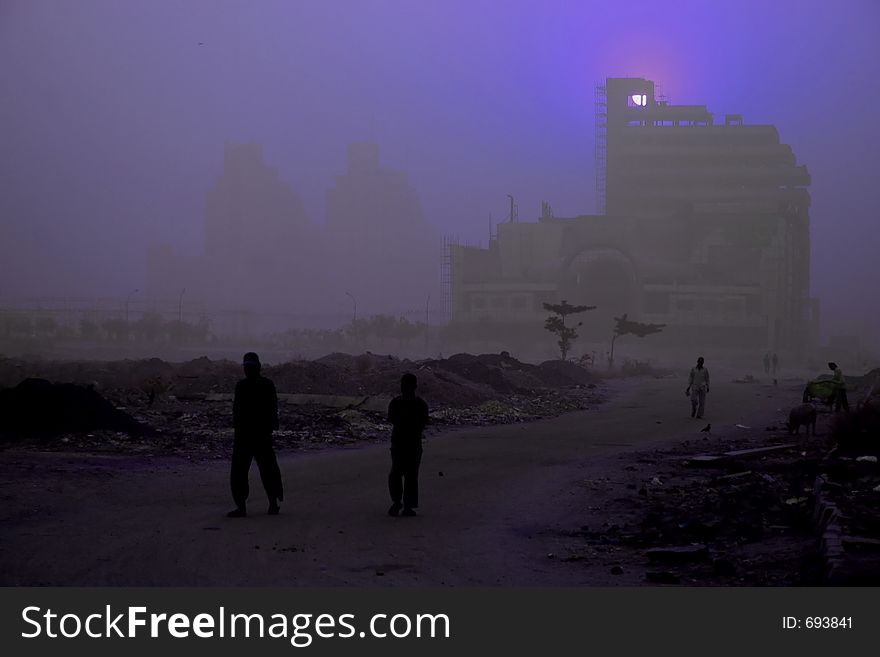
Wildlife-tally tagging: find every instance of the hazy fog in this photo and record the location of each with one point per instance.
(114, 115)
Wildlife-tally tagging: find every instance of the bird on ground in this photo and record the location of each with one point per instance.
(706, 429)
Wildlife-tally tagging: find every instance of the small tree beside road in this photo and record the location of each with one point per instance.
(555, 323)
(623, 326)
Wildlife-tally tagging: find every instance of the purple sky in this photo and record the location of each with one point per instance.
(113, 118)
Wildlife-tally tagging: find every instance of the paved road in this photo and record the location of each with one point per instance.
(117, 521)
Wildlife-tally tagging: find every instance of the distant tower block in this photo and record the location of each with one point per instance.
(363, 156)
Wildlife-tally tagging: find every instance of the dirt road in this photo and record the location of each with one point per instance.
(75, 520)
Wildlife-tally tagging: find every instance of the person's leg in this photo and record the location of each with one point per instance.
(270, 473)
(695, 397)
(238, 475)
(395, 482)
(701, 408)
(411, 481)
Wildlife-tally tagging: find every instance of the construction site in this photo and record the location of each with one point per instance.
(702, 225)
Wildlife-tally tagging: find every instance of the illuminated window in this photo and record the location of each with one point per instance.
(638, 100)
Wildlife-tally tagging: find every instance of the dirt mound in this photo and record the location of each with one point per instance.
(557, 373)
(505, 375)
(462, 380)
(37, 406)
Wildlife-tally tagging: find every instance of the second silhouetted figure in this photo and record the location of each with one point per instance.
(408, 415)
(255, 417)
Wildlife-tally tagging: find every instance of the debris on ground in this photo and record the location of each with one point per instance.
(747, 520)
(339, 399)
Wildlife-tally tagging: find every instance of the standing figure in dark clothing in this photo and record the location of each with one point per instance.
(255, 417)
(409, 415)
(839, 383)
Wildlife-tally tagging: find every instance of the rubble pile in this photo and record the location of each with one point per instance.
(39, 407)
(846, 516)
(738, 512)
(335, 400)
(858, 432)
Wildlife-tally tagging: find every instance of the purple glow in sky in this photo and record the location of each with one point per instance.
(115, 113)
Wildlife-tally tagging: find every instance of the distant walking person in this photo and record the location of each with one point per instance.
(775, 363)
(698, 387)
(254, 416)
(766, 363)
(408, 415)
(840, 400)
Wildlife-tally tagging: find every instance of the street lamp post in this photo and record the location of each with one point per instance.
(427, 310)
(127, 299)
(354, 301)
(354, 316)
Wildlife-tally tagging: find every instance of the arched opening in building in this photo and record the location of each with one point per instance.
(605, 278)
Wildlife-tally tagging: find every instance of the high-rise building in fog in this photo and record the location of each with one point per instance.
(263, 256)
(706, 230)
(382, 249)
(258, 243)
(251, 213)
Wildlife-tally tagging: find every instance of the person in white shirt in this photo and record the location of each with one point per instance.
(698, 387)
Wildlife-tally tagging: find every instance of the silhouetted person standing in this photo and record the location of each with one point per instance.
(840, 400)
(409, 415)
(255, 417)
(698, 387)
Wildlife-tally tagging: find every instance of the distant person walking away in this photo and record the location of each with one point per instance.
(775, 363)
(840, 400)
(766, 363)
(698, 387)
(408, 415)
(255, 417)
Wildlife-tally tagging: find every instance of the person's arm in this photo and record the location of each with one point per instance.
(274, 407)
(707, 380)
(236, 406)
(392, 413)
(426, 418)
(690, 380)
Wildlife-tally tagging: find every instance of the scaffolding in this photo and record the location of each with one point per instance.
(450, 246)
(601, 145)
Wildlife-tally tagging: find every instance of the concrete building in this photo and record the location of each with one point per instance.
(706, 229)
(383, 250)
(266, 267)
(259, 244)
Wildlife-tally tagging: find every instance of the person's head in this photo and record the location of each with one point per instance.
(700, 361)
(408, 384)
(251, 364)
(832, 365)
